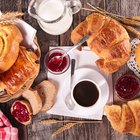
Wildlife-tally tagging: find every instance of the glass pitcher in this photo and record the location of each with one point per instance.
(54, 16)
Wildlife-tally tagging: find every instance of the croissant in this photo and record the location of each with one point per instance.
(23, 70)
(10, 38)
(108, 39)
(125, 118)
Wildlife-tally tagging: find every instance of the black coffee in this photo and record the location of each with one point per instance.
(86, 93)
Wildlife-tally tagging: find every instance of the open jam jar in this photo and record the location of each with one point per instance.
(53, 66)
(127, 87)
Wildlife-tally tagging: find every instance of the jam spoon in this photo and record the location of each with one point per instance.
(59, 59)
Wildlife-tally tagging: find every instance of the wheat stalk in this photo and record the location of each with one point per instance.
(11, 15)
(136, 18)
(8, 21)
(63, 128)
(132, 30)
(53, 121)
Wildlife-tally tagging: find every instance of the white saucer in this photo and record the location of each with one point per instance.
(93, 75)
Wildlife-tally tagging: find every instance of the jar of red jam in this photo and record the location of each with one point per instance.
(52, 65)
(127, 87)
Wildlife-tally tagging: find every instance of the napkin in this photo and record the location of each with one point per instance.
(84, 58)
(7, 132)
(28, 33)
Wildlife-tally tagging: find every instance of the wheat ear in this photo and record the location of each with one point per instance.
(63, 128)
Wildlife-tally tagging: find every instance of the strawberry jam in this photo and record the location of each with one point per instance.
(57, 65)
(20, 112)
(54, 65)
(127, 87)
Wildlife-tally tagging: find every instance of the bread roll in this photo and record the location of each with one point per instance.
(10, 38)
(34, 99)
(47, 92)
(24, 69)
(108, 39)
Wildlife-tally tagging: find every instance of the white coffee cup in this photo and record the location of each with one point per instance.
(75, 106)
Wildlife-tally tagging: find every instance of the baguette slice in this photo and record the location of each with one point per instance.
(47, 92)
(22, 111)
(34, 99)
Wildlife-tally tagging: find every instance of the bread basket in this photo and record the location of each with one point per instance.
(7, 97)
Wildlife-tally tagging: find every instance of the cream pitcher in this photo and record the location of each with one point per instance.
(54, 16)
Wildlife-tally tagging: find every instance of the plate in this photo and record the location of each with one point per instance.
(100, 81)
(132, 64)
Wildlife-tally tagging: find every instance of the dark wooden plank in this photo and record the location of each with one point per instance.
(35, 130)
(85, 131)
(6, 6)
(126, 8)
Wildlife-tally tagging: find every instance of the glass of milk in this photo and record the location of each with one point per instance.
(54, 16)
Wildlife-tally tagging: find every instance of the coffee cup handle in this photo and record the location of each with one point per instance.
(75, 5)
(69, 103)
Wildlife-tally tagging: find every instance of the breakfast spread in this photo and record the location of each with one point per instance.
(109, 40)
(19, 66)
(125, 118)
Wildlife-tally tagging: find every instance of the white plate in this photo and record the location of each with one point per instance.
(91, 74)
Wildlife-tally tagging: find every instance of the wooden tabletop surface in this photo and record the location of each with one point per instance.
(96, 131)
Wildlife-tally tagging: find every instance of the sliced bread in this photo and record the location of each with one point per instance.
(47, 92)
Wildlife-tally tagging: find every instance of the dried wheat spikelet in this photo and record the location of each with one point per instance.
(53, 121)
(132, 30)
(136, 18)
(11, 15)
(63, 128)
(8, 21)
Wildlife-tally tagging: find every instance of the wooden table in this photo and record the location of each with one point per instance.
(97, 131)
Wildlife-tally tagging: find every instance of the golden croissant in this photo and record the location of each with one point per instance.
(125, 118)
(10, 38)
(108, 39)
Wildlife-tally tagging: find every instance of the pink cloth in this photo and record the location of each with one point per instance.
(7, 132)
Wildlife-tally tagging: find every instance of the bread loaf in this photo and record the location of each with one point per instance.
(10, 38)
(125, 118)
(108, 39)
(22, 71)
(34, 99)
(47, 92)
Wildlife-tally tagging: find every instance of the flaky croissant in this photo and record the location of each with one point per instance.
(125, 118)
(108, 39)
(25, 68)
(10, 38)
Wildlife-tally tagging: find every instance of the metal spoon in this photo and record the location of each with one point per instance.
(59, 59)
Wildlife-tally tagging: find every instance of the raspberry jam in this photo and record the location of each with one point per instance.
(54, 65)
(57, 65)
(127, 87)
(20, 112)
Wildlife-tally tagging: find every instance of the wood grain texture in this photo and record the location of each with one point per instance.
(35, 131)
